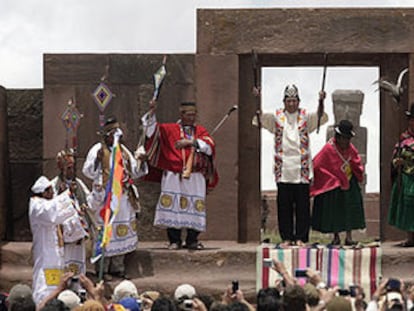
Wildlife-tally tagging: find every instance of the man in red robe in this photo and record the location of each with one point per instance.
(184, 152)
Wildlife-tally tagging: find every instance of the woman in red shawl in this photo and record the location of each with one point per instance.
(338, 204)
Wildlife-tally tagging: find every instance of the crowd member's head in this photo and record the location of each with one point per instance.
(148, 298)
(291, 98)
(183, 296)
(21, 298)
(238, 306)
(218, 306)
(125, 289)
(163, 304)
(55, 305)
(312, 294)
(268, 299)
(69, 298)
(394, 301)
(339, 304)
(130, 304)
(294, 298)
(43, 188)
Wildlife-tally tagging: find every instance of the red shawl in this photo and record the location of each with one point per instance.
(164, 156)
(329, 168)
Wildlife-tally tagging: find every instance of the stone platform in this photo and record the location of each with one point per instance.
(154, 267)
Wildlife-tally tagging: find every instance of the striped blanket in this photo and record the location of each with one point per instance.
(338, 267)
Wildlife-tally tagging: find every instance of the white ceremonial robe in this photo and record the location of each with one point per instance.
(74, 234)
(124, 229)
(45, 216)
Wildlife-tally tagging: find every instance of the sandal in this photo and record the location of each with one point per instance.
(285, 244)
(300, 243)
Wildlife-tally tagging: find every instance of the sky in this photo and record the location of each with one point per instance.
(30, 28)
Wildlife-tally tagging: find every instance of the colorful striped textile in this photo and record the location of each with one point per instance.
(338, 266)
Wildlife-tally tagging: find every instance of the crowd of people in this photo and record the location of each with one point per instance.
(287, 294)
(63, 212)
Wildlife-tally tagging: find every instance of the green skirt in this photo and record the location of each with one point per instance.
(339, 210)
(401, 210)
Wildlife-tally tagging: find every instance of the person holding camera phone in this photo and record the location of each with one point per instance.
(388, 296)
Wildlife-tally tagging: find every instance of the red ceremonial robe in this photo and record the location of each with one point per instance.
(164, 156)
(329, 168)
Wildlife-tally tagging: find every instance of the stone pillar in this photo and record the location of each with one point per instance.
(347, 105)
(3, 163)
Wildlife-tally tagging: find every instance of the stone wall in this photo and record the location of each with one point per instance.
(25, 136)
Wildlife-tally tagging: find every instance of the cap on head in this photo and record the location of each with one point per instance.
(110, 124)
(345, 128)
(125, 289)
(184, 291)
(41, 184)
(18, 292)
(130, 303)
(410, 113)
(188, 107)
(69, 298)
(291, 91)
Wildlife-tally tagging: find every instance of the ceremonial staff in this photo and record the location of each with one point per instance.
(221, 122)
(321, 100)
(158, 79)
(396, 90)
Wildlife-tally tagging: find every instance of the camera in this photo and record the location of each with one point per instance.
(344, 292)
(301, 273)
(267, 262)
(74, 284)
(235, 286)
(347, 292)
(82, 295)
(188, 304)
(393, 285)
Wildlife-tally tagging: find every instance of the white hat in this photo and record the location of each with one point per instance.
(184, 290)
(69, 298)
(125, 289)
(41, 184)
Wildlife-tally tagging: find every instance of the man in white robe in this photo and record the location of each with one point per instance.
(124, 238)
(46, 214)
(75, 229)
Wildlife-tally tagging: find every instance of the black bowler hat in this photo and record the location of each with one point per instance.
(345, 128)
(410, 113)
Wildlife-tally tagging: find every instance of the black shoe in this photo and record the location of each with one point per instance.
(196, 246)
(336, 242)
(350, 242)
